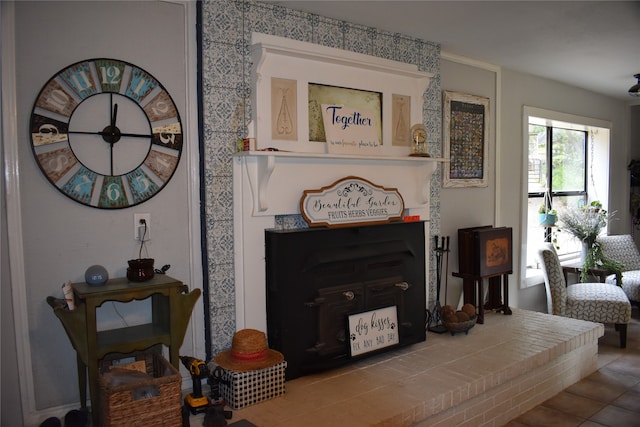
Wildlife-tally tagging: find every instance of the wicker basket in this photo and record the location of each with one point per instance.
(156, 401)
(460, 326)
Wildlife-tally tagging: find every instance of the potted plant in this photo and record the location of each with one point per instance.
(585, 224)
(547, 216)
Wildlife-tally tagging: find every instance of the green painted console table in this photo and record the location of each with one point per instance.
(171, 305)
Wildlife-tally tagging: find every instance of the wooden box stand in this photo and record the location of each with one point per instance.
(171, 305)
(485, 253)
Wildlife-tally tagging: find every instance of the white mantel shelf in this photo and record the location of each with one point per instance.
(329, 156)
(260, 166)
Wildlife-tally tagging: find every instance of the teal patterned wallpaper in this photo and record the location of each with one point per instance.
(226, 107)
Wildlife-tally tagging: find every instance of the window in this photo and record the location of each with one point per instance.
(557, 178)
(567, 161)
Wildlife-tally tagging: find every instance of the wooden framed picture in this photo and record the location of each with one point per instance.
(466, 140)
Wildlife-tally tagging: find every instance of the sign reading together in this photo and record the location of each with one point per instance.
(350, 130)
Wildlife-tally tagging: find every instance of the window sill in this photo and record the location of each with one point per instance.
(533, 277)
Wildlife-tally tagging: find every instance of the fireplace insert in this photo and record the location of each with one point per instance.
(317, 278)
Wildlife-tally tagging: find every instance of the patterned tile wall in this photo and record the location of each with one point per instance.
(226, 66)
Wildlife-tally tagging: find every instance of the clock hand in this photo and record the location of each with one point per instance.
(104, 133)
(114, 115)
(114, 137)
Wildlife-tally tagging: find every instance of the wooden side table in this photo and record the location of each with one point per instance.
(171, 306)
(469, 282)
(576, 268)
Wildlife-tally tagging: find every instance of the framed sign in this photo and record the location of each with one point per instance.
(373, 330)
(466, 140)
(350, 201)
(356, 99)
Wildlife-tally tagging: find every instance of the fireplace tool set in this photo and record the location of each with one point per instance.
(434, 318)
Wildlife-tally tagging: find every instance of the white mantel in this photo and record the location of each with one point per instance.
(267, 184)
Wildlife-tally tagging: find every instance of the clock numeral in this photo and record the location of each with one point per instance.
(47, 131)
(113, 192)
(80, 186)
(81, 79)
(162, 164)
(140, 85)
(161, 107)
(167, 138)
(143, 183)
(55, 98)
(141, 186)
(56, 163)
(111, 75)
(58, 99)
(168, 135)
(82, 182)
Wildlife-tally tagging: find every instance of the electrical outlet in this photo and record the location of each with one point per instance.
(139, 220)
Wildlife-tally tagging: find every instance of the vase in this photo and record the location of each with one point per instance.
(584, 250)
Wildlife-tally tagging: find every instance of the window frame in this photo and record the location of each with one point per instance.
(598, 154)
(547, 233)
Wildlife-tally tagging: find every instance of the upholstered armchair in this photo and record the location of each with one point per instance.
(595, 302)
(622, 248)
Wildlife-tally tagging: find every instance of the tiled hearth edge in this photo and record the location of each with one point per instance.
(499, 371)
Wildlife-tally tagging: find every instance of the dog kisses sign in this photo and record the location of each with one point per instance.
(351, 201)
(350, 130)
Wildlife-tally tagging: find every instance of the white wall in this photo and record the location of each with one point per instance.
(60, 237)
(473, 206)
(499, 203)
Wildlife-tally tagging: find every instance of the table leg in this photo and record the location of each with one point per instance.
(505, 288)
(480, 301)
(93, 390)
(82, 381)
(92, 360)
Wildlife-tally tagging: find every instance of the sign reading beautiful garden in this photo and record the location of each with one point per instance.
(351, 200)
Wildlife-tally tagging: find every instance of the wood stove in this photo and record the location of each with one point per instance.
(316, 278)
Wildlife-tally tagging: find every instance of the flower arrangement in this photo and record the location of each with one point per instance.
(585, 224)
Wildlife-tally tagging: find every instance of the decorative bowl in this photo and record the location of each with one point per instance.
(460, 326)
(140, 270)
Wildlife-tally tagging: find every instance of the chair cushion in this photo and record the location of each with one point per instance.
(598, 302)
(630, 283)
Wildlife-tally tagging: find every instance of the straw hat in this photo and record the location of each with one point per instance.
(248, 352)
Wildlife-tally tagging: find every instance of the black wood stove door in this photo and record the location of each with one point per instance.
(316, 278)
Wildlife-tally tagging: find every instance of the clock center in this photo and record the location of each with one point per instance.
(111, 134)
(94, 144)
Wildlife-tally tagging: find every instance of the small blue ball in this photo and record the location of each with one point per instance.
(96, 275)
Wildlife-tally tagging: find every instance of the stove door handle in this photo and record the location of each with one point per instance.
(403, 285)
(317, 302)
(349, 295)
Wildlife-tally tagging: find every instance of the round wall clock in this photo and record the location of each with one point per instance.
(106, 133)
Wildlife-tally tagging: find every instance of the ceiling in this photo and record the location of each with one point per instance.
(594, 45)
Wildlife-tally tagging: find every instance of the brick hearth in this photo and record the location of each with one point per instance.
(498, 371)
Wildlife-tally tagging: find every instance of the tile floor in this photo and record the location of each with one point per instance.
(608, 397)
